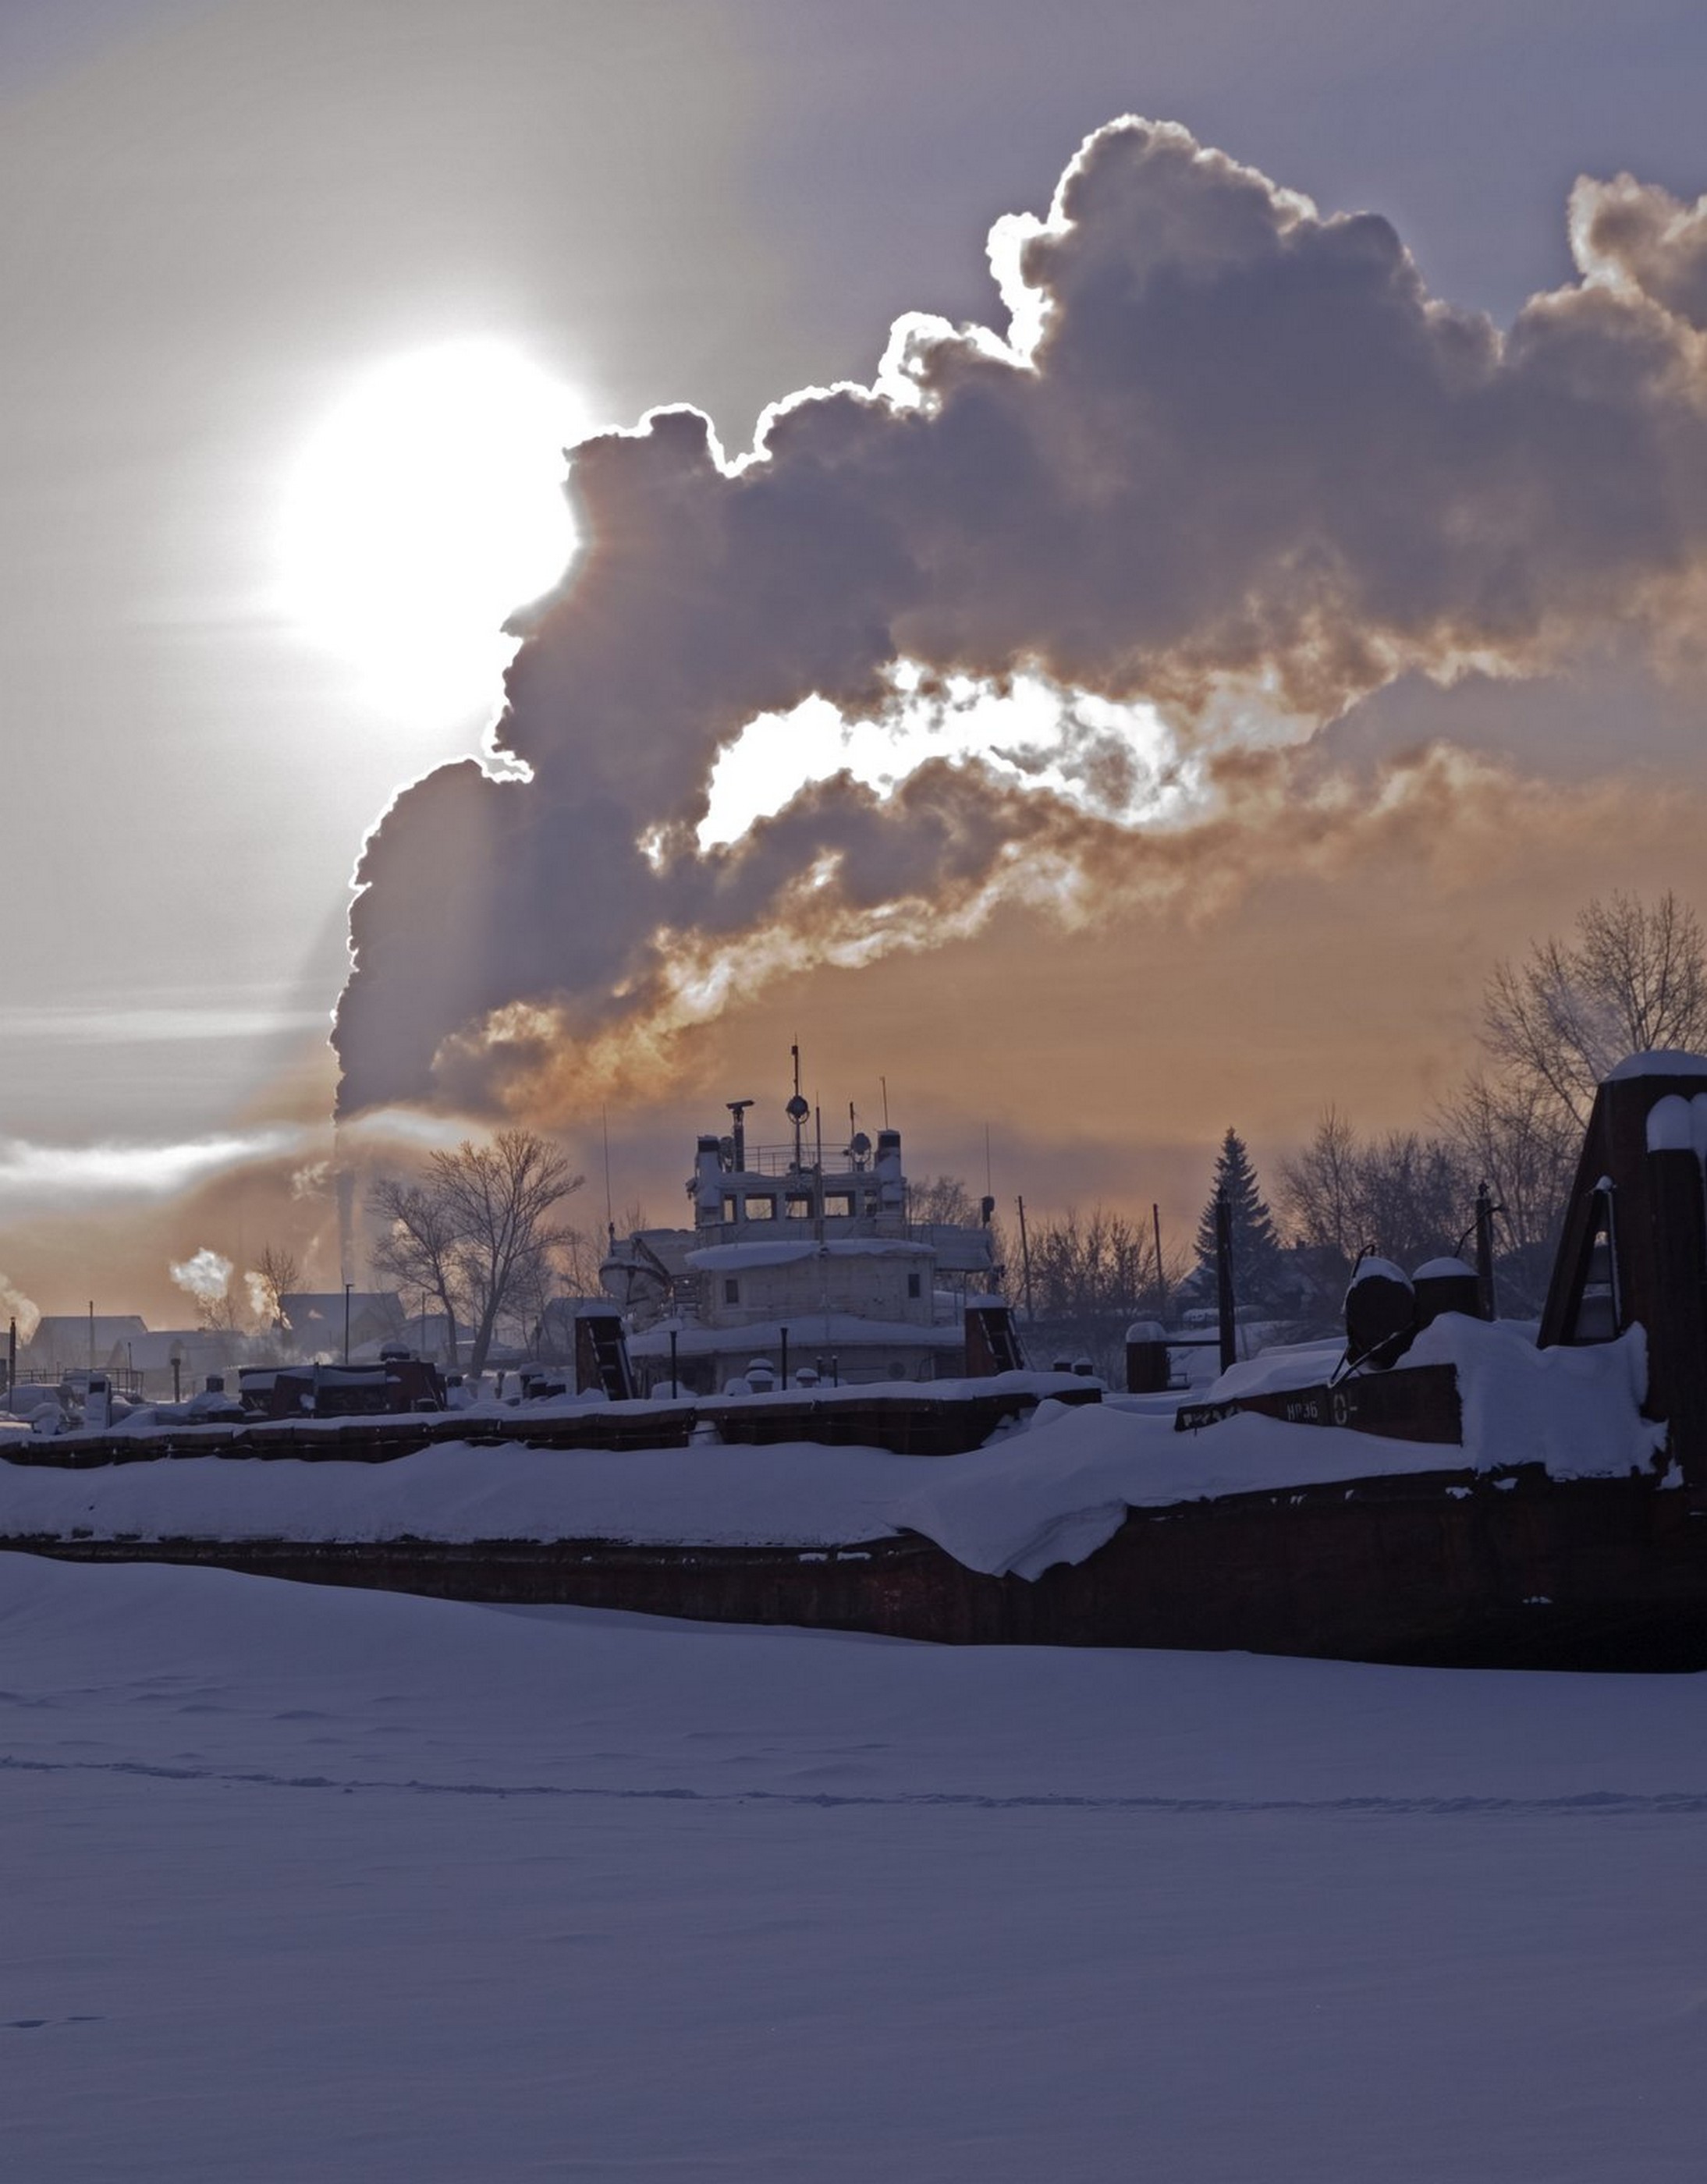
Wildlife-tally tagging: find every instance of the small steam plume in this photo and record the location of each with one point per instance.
(14, 1305)
(1230, 467)
(311, 1180)
(205, 1275)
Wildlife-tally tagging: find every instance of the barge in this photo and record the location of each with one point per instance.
(1473, 1497)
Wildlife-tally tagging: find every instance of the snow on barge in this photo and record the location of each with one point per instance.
(1461, 1494)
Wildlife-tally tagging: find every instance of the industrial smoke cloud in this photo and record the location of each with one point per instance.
(1230, 460)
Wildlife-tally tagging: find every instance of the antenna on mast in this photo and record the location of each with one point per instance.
(609, 1214)
(797, 1108)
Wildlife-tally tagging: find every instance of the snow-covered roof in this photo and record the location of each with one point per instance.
(841, 1331)
(198, 1347)
(305, 1308)
(728, 1258)
(69, 1333)
(1659, 1061)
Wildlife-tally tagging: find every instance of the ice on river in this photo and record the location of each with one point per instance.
(317, 1884)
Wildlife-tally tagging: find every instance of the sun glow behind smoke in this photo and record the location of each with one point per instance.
(424, 508)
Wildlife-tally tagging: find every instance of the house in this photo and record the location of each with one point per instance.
(79, 1342)
(196, 1352)
(314, 1322)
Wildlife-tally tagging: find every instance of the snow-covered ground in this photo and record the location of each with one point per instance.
(319, 1885)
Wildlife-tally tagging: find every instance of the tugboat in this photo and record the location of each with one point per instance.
(798, 1271)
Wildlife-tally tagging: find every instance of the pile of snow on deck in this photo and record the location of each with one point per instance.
(1052, 1492)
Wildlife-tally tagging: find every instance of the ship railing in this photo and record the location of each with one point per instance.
(779, 1161)
(803, 1228)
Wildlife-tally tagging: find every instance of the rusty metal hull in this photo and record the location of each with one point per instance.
(1445, 1568)
(915, 1424)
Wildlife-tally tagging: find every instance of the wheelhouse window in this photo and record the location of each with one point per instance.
(731, 1290)
(800, 1205)
(915, 1285)
(761, 1209)
(839, 1206)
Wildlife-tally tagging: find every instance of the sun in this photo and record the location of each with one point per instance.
(425, 508)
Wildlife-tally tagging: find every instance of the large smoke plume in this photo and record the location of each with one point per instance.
(1231, 463)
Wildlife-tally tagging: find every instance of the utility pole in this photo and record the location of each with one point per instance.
(1223, 1278)
(1485, 1210)
(1025, 1258)
(1160, 1277)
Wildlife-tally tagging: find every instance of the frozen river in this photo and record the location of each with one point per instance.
(308, 1884)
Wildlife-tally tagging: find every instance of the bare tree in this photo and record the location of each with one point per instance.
(1318, 1191)
(1093, 1273)
(1407, 1197)
(474, 1231)
(218, 1315)
(276, 1276)
(417, 1247)
(942, 1199)
(1414, 1198)
(1513, 1135)
(577, 1257)
(1634, 980)
(497, 1196)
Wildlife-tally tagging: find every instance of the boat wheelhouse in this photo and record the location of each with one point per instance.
(799, 1268)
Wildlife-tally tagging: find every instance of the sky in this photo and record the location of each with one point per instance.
(292, 287)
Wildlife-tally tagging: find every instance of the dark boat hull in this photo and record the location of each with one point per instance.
(1445, 1568)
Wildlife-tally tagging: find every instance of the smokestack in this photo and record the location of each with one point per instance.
(346, 1227)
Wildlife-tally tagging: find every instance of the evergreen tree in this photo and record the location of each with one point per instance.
(1257, 1257)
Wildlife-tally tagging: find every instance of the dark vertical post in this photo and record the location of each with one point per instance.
(177, 1380)
(347, 1288)
(1484, 1251)
(675, 1376)
(1025, 1258)
(1161, 1279)
(1223, 1278)
(11, 1362)
(785, 1333)
(1676, 1317)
